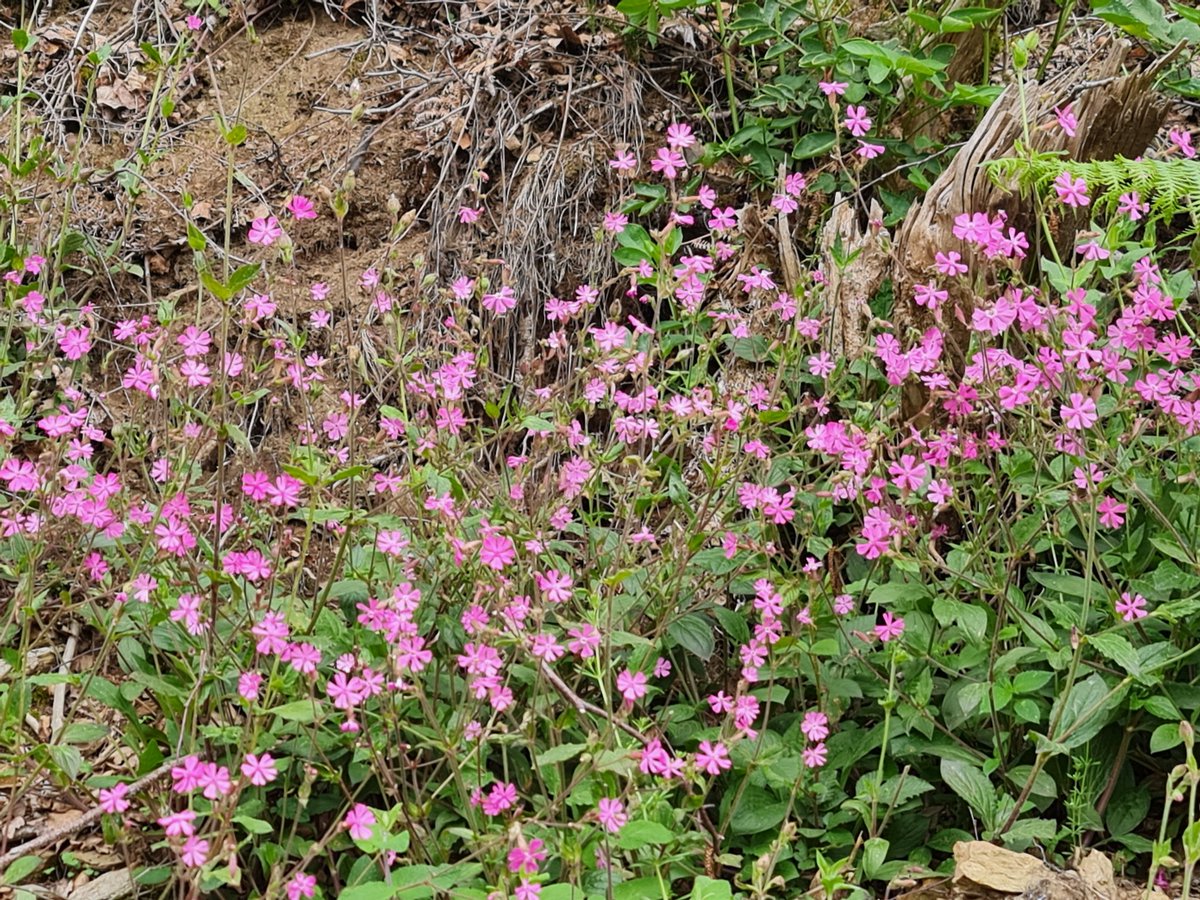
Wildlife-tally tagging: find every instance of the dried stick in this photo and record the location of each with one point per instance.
(79, 822)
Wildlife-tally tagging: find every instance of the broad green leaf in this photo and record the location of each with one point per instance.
(693, 632)
(303, 711)
(705, 888)
(21, 868)
(971, 785)
(643, 833)
(559, 754)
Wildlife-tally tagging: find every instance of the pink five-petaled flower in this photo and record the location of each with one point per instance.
(179, 824)
(301, 207)
(668, 161)
(497, 552)
(1079, 413)
(679, 136)
(712, 758)
(815, 756)
(857, 121)
(265, 231)
(891, 627)
(833, 88)
(1071, 191)
(632, 685)
(301, 885)
(358, 822)
(186, 775)
(1131, 606)
(815, 726)
(259, 770)
(1066, 120)
(194, 852)
(1112, 513)
(623, 162)
(112, 800)
(527, 858)
(611, 813)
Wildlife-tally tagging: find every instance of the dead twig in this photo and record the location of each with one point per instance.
(79, 823)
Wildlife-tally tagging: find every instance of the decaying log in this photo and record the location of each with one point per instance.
(855, 261)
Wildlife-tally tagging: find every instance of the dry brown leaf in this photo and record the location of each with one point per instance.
(1096, 870)
(994, 867)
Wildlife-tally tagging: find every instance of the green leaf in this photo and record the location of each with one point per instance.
(643, 833)
(83, 733)
(195, 238)
(373, 890)
(303, 711)
(757, 811)
(253, 825)
(1067, 585)
(1165, 737)
(236, 135)
(215, 287)
(243, 276)
(1084, 711)
(815, 143)
(971, 785)
(705, 888)
(561, 753)
(21, 868)
(1115, 647)
(694, 632)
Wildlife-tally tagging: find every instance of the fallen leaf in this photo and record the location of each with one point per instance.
(994, 867)
(1096, 870)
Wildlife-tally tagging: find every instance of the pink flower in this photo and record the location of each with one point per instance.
(497, 552)
(112, 800)
(194, 852)
(502, 796)
(527, 858)
(815, 756)
(611, 813)
(468, 215)
(214, 780)
(358, 822)
(712, 758)
(264, 231)
(679, 136)
(833, 88)
(194, 22)
(815, 726)
(623, 162)
(668, 161)
(1131, 606)
(186, 775)
(1071, 191)
(1079, 413)
(179, 824)
(632, 685)
(857, 121)
(1183, 140)
(891, 627)
(1066, 120)
(301, 885)
(301, 207)
(259, 770)
(1112, 513)
(869, 151)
